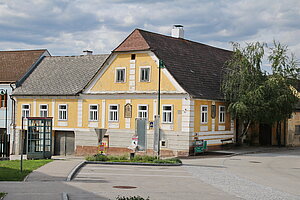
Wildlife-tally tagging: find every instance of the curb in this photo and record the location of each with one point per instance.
(133, 163)
(81, 164)
(65, 196)
(75, 170)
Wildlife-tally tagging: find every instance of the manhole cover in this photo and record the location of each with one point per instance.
(254, 161)
(124, 187)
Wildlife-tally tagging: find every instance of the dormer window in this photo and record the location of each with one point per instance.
(144, 74)
(120, 75)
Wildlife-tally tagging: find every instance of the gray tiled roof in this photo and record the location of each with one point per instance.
(61, 75)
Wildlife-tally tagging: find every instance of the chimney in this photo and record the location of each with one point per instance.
(87, 52)
(177, 31)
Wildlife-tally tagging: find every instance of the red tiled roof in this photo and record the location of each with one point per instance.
(134, 42)
(15, 64)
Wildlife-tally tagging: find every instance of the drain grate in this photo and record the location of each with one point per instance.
(254, 161)
(124, 187)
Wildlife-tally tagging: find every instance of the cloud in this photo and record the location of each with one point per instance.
(66, 27)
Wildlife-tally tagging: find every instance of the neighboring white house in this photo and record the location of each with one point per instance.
(15, 67)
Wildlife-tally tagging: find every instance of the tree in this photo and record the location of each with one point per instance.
(253, 96)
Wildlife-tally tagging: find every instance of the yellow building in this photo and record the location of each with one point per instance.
(84, 93)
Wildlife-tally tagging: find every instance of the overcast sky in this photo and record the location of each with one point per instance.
(67, 27)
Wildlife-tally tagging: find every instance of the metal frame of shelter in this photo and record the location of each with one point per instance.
(39, 138)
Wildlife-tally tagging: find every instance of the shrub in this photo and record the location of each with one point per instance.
(97, 157)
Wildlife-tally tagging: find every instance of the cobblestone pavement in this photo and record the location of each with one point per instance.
(255, 176)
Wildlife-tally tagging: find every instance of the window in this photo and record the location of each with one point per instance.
(132, 56)
(3, 100)
(297, 129)
(25, 110)
(221, 114)
(44, 110)
(93, 113)
(204, 114)
(62, 112)
(120, 75)
(167, 114)
(145, 74)
(113, 113)
(142, 111)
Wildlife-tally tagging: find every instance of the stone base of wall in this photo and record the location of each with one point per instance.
(91, 150)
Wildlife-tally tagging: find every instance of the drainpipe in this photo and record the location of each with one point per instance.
(13, 119)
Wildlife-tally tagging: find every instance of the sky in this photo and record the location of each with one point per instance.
(67, 27)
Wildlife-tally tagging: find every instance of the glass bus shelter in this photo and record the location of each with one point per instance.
(39, 138)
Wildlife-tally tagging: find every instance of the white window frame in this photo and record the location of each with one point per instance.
(203, 113)
(142, 111)
(140, 73)
(110, 111)
(27, 110)
(116, 74)
(222, 121)
(172, 115)
(95, 113)
(44, 110)
(62, 110)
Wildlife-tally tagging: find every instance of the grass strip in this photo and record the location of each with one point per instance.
(10, 169)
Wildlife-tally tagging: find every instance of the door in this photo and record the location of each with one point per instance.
(265, 134)
(64, 143)
(141, 132)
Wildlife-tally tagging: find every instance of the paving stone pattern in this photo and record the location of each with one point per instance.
(235, 185)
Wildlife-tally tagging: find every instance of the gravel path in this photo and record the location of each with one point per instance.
(235, 185)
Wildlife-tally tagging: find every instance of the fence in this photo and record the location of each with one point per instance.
(4, 146)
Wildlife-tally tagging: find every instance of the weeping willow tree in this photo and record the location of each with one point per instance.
(254, 96)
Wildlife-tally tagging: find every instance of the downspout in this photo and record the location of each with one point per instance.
(13, 114)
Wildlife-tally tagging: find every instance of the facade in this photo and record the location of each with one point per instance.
(123, 87)
(15, 67)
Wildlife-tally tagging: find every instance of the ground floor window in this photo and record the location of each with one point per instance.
(113, 113)
(167, 114)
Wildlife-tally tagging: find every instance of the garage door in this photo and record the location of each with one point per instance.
(64, 143)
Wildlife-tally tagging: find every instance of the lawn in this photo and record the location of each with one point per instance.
(10, 169)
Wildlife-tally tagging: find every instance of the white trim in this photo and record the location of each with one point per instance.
(221, 128)
(154, 108)
(172, 113)
(103, 114)
(63, 110)
(62, 123)
(203, 106)
(34, 108)
(128, 120)
(120, 68)
(47, 110)
(22, 109)
(80, 108)
(132, 96)
(147, 111)
(53, 111)
(203, 128)
(224, 112)
(97, 111)
(118, 114)
(145, 67)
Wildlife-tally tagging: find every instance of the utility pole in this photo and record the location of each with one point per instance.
(160, 66)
